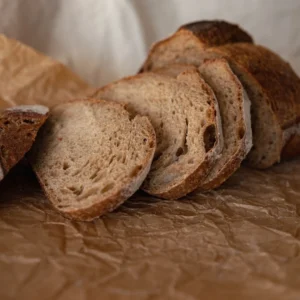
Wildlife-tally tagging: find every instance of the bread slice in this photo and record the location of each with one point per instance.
(30, 77)
(91, 156)
(185, 115)
(191, 38)
(18, 130)
(234, 107)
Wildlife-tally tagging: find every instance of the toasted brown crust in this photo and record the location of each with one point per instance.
(277, 79)
(98, 209)
(217, 32)
(18, 130)
(208, 33)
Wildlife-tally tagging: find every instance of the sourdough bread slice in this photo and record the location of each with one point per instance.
(185, 115)
(235, 113)
(18, 130)
(191, 38)
(91, 156)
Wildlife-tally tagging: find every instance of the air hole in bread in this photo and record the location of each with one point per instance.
(66, 166)
(161, 125)
(135, 171)
(157, 155)
(29, 134)
(209, 137)
(234, 118)
(202, 123)
(145, 141)
(6, 123)
(28, 121)
(241, 133)
(179, 151)
(108, 187)
(76, 190)
(191, 161)
(201, 108)
(151, 144)
(173, 112)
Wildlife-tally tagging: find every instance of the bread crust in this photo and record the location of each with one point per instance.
(18, 130)
(279, 83)
(206, 34)
(115, 200)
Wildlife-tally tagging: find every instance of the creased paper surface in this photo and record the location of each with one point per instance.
(239, 242)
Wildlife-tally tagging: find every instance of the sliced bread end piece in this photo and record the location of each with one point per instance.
(18, 129)
(185, 115)
(91, 156)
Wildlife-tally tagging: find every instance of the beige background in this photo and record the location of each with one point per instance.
(104, 40)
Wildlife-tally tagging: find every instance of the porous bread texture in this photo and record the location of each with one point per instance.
(91, 156)
(18, 129)
(235, 114)
(190, 39)
(185, 115)
(236, 120)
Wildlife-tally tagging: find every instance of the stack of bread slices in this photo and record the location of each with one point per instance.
(205, 100)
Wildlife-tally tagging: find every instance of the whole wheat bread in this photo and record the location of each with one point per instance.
(235, 113)
(185, 115)
(271, 84)
(91, 156)
(191, 38)
(18, 130)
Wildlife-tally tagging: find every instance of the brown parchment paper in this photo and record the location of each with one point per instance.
(30, 77)
(239, 242)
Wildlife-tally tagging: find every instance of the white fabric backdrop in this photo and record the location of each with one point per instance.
(103, 40)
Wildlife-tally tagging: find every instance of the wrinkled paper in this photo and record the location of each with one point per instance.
(241, 241)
